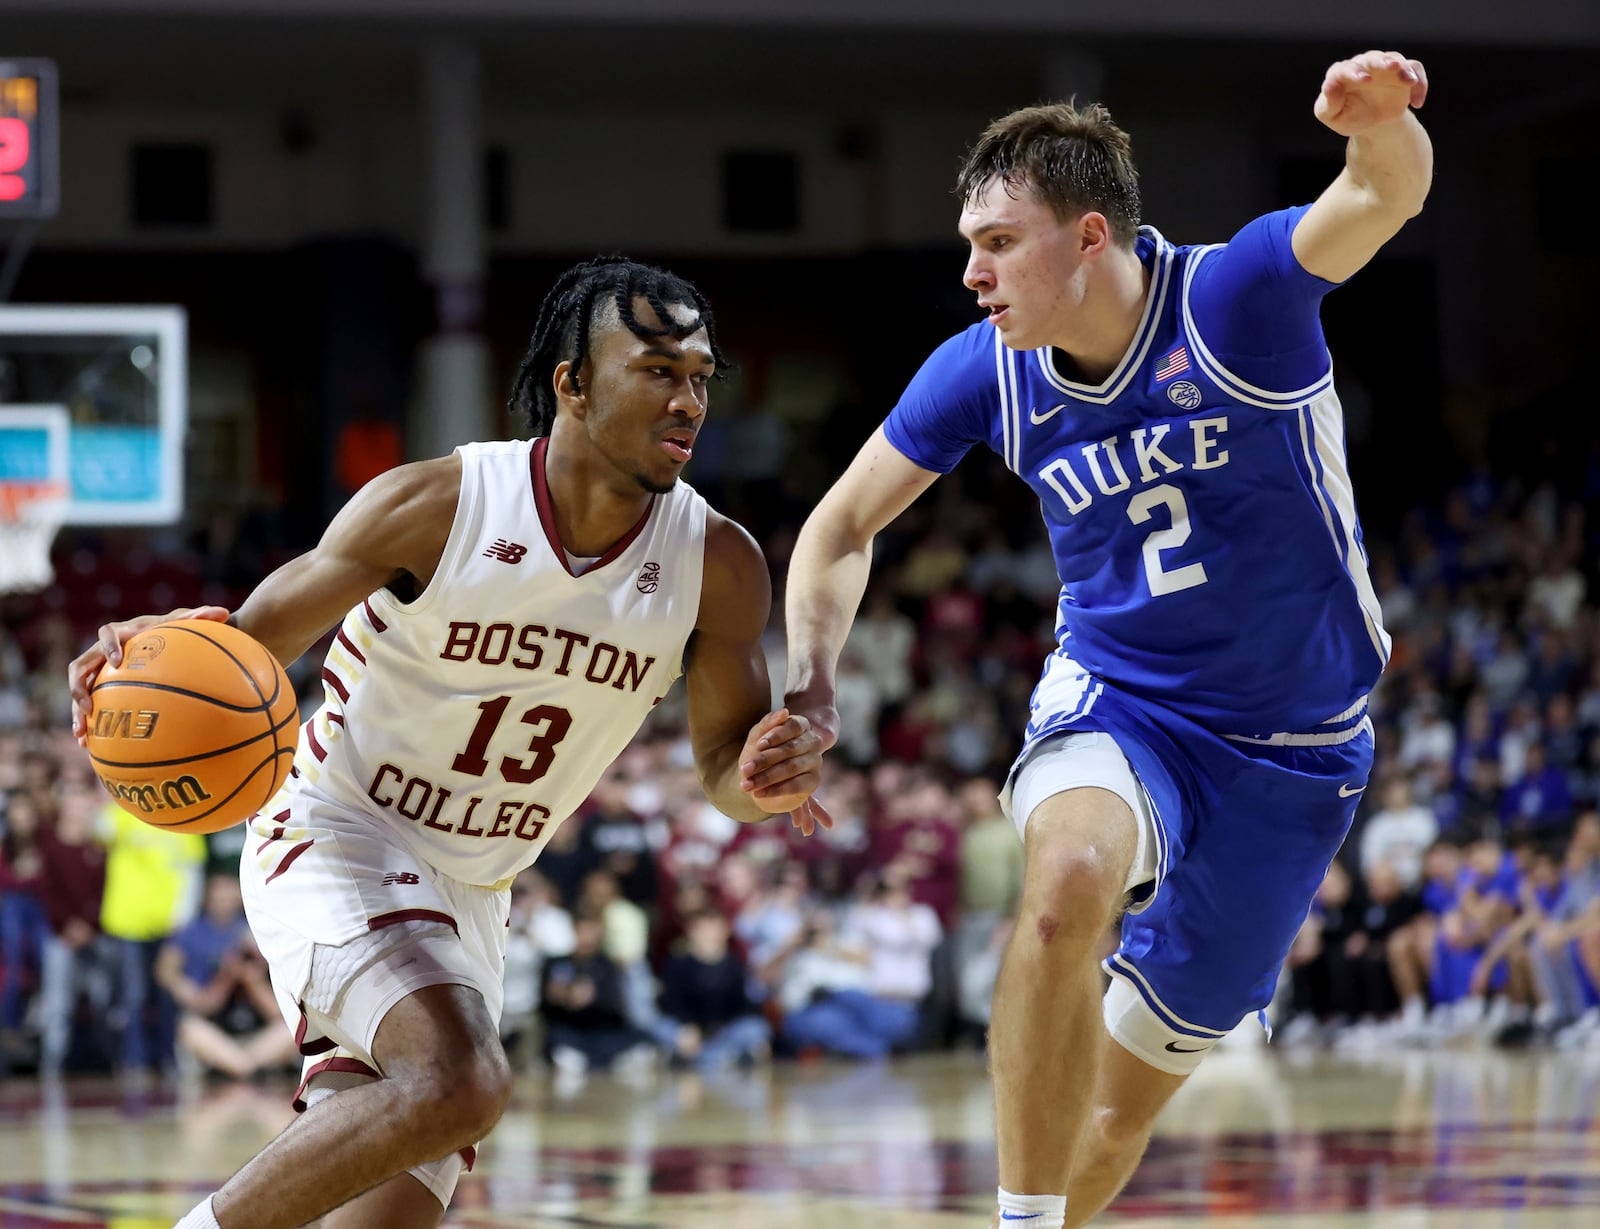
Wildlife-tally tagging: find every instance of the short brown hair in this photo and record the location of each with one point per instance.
(1073, 159)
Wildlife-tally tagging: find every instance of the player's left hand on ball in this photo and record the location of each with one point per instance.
(780, 768)
(107, 649)
(1370, 89)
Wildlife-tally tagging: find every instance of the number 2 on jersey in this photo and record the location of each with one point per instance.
(474, 760)
(1164, 580)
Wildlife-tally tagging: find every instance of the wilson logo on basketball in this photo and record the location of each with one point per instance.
(649, 578)
(404, 878)
(506, 552)
(174, 795)
(125, 722)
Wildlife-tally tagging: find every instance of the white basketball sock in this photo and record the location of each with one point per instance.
(1032, 1211)
(202, 1217)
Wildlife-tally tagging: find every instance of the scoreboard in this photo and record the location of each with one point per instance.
(30, 179)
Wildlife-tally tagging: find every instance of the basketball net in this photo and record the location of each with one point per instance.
(30, 514)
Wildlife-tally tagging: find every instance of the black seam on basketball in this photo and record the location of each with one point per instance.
(221, 802)
(180, 691)
(266, 704)
(231, 656)
(292, 719)
(277, 686)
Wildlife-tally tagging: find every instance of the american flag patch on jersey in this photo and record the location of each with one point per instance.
(1174, 364)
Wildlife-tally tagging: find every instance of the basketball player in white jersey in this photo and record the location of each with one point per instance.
(511, 613)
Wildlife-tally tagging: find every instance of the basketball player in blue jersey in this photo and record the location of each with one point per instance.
(1198, 741)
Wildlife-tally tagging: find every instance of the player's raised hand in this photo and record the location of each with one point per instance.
(107, 648)
(780, 768)
(1376, 87)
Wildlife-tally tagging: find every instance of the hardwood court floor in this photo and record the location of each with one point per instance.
(1258, 1140)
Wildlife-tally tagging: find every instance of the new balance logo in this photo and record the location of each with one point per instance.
(506, 552)
(404, 878)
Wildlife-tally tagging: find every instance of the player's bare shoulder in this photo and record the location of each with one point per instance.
(402, 517)
(736, 594)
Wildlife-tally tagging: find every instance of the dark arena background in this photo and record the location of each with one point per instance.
(254, 253)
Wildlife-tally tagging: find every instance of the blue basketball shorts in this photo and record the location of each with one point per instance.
(1245, 830)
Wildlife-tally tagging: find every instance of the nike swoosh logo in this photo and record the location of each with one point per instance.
(1346, 792)
(1036, 418)
(1175, 1048)
(1029, 1216)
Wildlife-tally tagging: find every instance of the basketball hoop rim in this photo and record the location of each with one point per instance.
(16, 498)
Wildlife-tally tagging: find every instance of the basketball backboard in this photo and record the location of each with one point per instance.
(104, 392)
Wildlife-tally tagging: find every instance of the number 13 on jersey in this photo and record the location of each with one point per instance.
(551, 726)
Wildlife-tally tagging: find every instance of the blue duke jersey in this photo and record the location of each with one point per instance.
(1197, 499)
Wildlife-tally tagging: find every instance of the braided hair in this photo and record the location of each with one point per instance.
(561, 333)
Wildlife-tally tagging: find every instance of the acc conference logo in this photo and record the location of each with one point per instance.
(1184, 395)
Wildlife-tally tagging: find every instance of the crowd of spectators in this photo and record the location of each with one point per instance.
(655, 930)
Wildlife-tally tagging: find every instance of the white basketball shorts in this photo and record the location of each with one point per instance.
(350, 922)
(1073, 761)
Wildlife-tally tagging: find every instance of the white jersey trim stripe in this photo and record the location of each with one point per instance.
(1338, 738)
(1327, 428)
(1311, 476)
(1118, 966)
(1240, 390)
(1349, 714)
(1005, 403)
(1016, 412)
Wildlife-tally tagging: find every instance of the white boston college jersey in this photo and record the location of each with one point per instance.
(473, 720)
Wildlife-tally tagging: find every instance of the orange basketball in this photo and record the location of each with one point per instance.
(195, 730)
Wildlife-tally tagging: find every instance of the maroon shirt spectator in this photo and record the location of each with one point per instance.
(72, 877)
(769, 844)
(918, 832)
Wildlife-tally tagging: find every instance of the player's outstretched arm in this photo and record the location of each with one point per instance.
(828, 570)
(730, 689)
(395, 525)
(1388, 163)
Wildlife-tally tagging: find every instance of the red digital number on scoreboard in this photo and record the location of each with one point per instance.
(29, 168)
(16, 144)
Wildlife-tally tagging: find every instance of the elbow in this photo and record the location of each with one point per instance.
(722, 790)
(1401, 197)
(1412, 201)
(835, 530)
(1414, 189)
